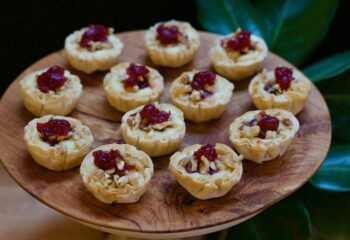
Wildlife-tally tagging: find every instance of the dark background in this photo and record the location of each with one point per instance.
(32, 29)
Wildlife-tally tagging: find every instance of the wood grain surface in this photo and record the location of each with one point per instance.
(166, 206)
(24, 218)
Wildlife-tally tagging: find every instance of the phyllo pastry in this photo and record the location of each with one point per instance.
(93, 48)
(238, 55)
(130, 85)
(263, 135)
(172, 43)
(117, 173)
(157, 129)
(50, 91)
(201, 95)
(56, 142)
(283, 88)
(207, 171)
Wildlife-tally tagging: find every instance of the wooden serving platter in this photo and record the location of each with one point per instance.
(166, 209)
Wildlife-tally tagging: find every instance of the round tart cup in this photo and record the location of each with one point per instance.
(64, 155)
(292, 99)
(246, 141)
(236, 66)
(199, 109)
(158, 139)
(60, 102)
(109, 187)
(88, 61)
(172, 55)
(126, 99)
(202, 184)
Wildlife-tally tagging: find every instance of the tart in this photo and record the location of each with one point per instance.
(93, 48)
(283, 88)
(201, 95)
(130, 85)
(207, 171)
(263, 135)
(50, 91)
(172, 43)
(238, 55)
(116, 173)
(56, 142)
(157, 129)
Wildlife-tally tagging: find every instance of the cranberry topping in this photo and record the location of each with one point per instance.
(207, 151)
(153, 115)
(267, 123)
(137, 76)
(200, 79)
(53, 129)
(240, 42)
(106, 160)
(95, 33)
(284, 77)
(168, 34)
(52, 79)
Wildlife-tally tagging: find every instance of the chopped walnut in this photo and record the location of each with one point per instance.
(195, 96)
(95, 46)
(271, 135)
(204, 166)
(287, 122)
(135, 121)
(250, 132)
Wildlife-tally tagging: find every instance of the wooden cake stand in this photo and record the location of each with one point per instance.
(166, 210)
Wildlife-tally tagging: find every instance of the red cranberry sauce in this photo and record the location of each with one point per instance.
(201, 79)
(267, 123)
(284, 77)
(54, 129)
(209, 152)
(153, 115)
(240, 42)
(168, 34)
(95, 33)
(137, 76)
(106, 160)
(52, 79)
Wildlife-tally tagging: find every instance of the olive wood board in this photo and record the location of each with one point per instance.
(166, 207)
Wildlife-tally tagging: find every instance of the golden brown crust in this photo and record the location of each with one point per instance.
(108, 187)
(91, 61)
(246, 141)
(156, 140)
(125, 100)
(292, 100)
(61, 102)
(189, 100)
(66, 154)
(236, 66)
(172, 55)
(201, 184)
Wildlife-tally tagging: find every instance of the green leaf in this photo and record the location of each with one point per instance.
(334, 174)
(288, 219)
(336, 92)
(329, 212)
(225, 16)
(329, 67)
(291, 28)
